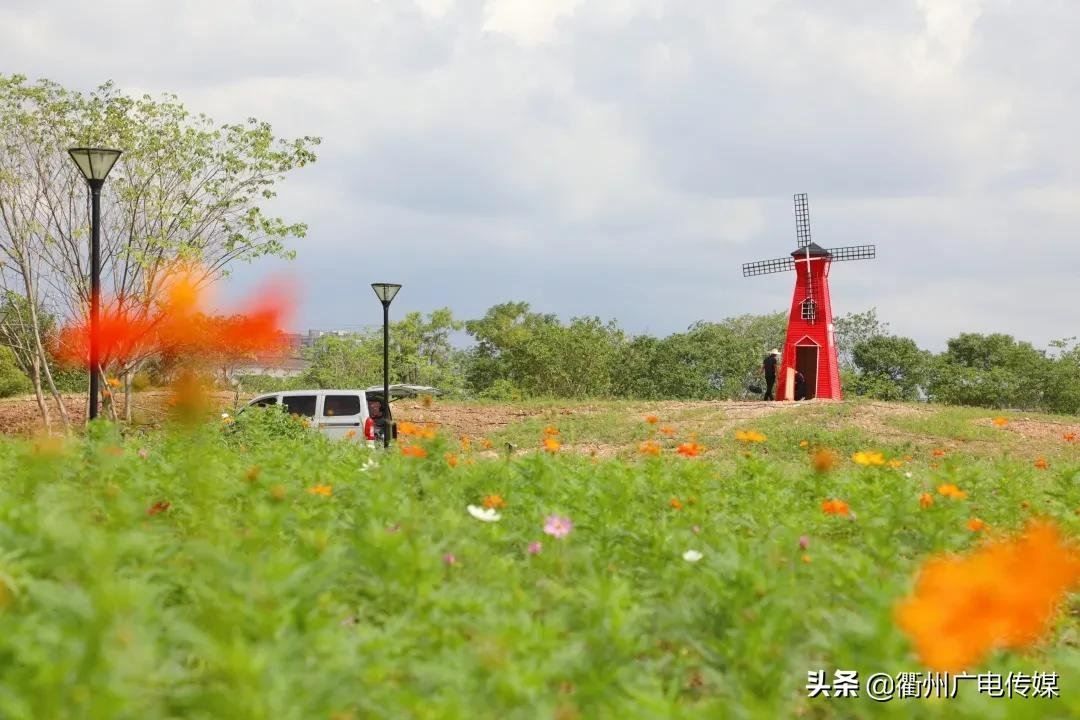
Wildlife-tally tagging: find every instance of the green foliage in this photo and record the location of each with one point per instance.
(265, 426)
(195, 574)
(13, 380)
(890, 368)
(991, 371)
(853, 328)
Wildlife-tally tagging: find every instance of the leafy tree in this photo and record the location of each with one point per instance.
(991, 371)
(853, 328)
(12, 379)
(185, 190)
(889, 368)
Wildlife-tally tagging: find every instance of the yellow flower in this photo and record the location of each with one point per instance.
(494, 501)
(896, 464)
(867, 458)
(749, 436)
(551, 444)
(804, 443)
(1000, 421)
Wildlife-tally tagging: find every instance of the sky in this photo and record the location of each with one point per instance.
(624, 158)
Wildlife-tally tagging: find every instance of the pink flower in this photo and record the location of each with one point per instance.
(804, 542)
(449, 559)
(143, 453)
(558, 526)
(535, 548)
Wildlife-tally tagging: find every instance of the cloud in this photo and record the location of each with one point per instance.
(624, 158)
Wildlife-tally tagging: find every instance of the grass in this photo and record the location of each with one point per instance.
(249, 596)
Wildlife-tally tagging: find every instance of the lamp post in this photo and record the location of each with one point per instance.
(386, 293)
(95, 164)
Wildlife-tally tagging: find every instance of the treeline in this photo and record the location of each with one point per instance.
(517, 353)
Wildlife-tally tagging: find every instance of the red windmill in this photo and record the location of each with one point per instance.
(809, 347)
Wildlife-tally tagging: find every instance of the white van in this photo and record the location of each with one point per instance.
(342, 414)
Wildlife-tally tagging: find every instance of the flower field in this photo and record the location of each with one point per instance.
(696, 567)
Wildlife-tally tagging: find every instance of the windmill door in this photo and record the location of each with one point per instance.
(806, 362)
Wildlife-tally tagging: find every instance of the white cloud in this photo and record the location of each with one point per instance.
(574, 153)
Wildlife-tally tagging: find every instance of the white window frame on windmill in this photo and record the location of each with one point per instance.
(808, 309)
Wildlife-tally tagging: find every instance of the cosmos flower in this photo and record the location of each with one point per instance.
(558, 526)
(749, 436)
(835, 507)
(690, 449)
(867, 458)
(1005, 594)
(950, 490)
(692, 556)
(484, 514)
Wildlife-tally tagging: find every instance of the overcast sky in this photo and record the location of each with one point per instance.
(623, 158)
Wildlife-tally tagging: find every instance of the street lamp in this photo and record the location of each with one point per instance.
(95, 164)
(386, 293)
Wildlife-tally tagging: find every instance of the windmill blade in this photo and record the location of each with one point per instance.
(765, 267)
(853, 252)
(802, 219)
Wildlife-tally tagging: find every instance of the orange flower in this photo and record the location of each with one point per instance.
(938, 452)
(1004, 594)
(667, 430)
(894, 464)
(551, 444)
(413, 451)
(1000, 421)
(466, 443)
(485, 443)
(112, 382)
(749, 436)
(252, 473)
(158, 508)
(690, 449)
(976, 525)
(494, 501)
(835, 507)
(652, 419)
(451, 459)
(1069, 437)
(824, 460)
(1041, 464)
(324, 490)
(649, 448)
(675, 503)
(407, 428)
(951, 491)
(926, 500)
(551, 430)
(868, 458)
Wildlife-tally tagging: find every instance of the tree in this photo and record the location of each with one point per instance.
(889, 368)
(991, 371)
(185, 191)
(853, 328)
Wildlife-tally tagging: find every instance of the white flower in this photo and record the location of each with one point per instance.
(485, 514)
(907, 474)
(369, 465)
(224, 415)
(692, 556)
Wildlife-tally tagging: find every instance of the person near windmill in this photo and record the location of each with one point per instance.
(768, 368)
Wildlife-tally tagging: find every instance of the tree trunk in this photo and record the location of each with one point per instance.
(35, 378)
(127, 396)
(64, 418)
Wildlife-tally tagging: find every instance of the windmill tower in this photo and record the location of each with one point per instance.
(809, 347)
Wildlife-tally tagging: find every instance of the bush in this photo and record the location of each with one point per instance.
(12, 380)
(258, 426)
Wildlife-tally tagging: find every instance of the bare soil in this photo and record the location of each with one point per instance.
(20, 416)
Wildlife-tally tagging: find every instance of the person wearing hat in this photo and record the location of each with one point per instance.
(768, 367)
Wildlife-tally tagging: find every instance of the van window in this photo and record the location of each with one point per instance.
(265, 401)
(303, 405)
(341, 405)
